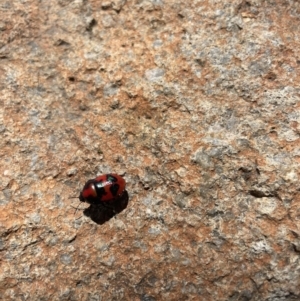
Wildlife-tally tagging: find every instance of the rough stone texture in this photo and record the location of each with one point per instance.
(196, 103)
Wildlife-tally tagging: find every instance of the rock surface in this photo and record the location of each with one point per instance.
(196, 103)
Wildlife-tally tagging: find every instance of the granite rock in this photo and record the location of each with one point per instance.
(196, 103)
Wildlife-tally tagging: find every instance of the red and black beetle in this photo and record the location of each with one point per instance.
(103, 190)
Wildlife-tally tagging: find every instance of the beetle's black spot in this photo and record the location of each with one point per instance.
(114, 189)
(100, 190)
(112, 179)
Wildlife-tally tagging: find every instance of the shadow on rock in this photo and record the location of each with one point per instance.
(103, 213)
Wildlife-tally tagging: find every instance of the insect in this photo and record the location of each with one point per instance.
(103, 191)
